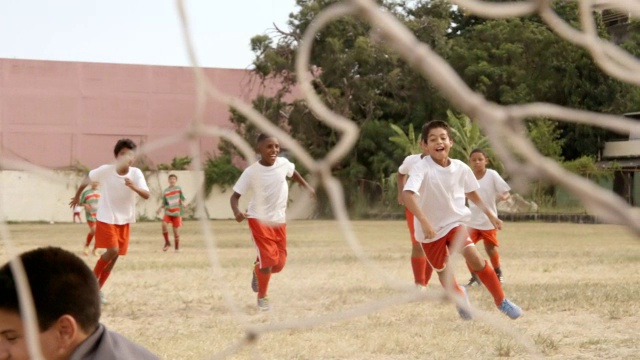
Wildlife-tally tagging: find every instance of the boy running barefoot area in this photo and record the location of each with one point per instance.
(435, 194)
(492, 189)
(421, 269)
(117, 206)
(267, 180)
(89, 200)
(172, 201)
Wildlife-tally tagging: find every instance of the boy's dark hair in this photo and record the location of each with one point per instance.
(262, 137)
(61, 284)
(124, 144)
(435, 124)
(173, 176)
(478, 150)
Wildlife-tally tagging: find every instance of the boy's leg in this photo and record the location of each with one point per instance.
(280, 234)
(177, 223)
(491, 247)
(421, 268)
(263, 237)
(475, 236)
(165, 234)
(485, 272)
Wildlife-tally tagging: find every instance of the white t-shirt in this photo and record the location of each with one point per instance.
(117, 203)
(441, 194)
(491, 185)
(270, 189)
(408, 163)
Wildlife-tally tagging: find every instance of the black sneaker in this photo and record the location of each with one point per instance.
(474, 281)
(499, 275)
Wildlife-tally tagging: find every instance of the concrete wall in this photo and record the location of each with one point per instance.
(28, 196)
(59, 114)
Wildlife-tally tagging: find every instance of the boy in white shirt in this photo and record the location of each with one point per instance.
(422, 271)
(492, 189)
(439, 211)
(267, 211)
(117, 207)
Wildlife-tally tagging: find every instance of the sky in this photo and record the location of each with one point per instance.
(137, 31)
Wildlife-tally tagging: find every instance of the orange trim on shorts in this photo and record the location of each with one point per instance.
(175, 221)
(438, 251)
(489, 236)
(412, 230)
(110, 236)
(271, 242)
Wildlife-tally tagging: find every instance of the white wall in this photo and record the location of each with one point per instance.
(27, 196)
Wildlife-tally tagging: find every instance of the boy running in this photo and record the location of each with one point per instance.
(267, 178)
(492, 188)
(117, 206)
(172, 201)
(435, 194)
(421, 269)
(89, 200)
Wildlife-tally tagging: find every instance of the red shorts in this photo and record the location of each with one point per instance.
(92, 224)
(489, 236)
(176, 221)
(410, 224)
(112, 236)
(438, 251)
(270, 241)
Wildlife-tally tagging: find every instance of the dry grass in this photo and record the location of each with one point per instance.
(578, 284)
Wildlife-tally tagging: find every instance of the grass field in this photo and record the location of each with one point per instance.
(579, 286)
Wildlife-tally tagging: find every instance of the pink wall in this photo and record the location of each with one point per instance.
(56, 114)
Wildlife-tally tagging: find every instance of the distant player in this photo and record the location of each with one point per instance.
(267, 178)
(172, 203)
(492, 189)
(120, 183)
(89, 200)
(76, 214)
(421, 269)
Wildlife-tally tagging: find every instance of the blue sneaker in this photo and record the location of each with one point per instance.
(510, 309)
(464, 313)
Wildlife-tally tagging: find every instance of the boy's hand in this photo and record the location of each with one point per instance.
(129, 183)
(428, 230)
(74, 202)
(240, 216)
(497, 223)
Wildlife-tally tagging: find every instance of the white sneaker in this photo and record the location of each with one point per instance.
(263, 304)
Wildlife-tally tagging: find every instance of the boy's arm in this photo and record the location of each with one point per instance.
(410, 202)
(402, 180)
(143, 193)
(239, 215)
(76, 199)
(504, 196)
(300, 180)
(473, 196)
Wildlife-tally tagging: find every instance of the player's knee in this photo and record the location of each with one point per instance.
(266, 270)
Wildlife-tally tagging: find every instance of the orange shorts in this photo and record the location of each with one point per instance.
(92, 224)
(410, 224)
(489, 236)
(438, 251)
(176, 221)
(270, 241)
(112, 236)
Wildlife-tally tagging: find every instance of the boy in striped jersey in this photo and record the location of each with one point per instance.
(172, 200)
(89, 200)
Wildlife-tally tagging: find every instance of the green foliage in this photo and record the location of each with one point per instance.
(467, 137)
(177, 163)
(586, 166)
(219, 171)
(546, 137)
(409, 142)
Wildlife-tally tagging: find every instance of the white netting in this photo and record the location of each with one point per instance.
(502, 124)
